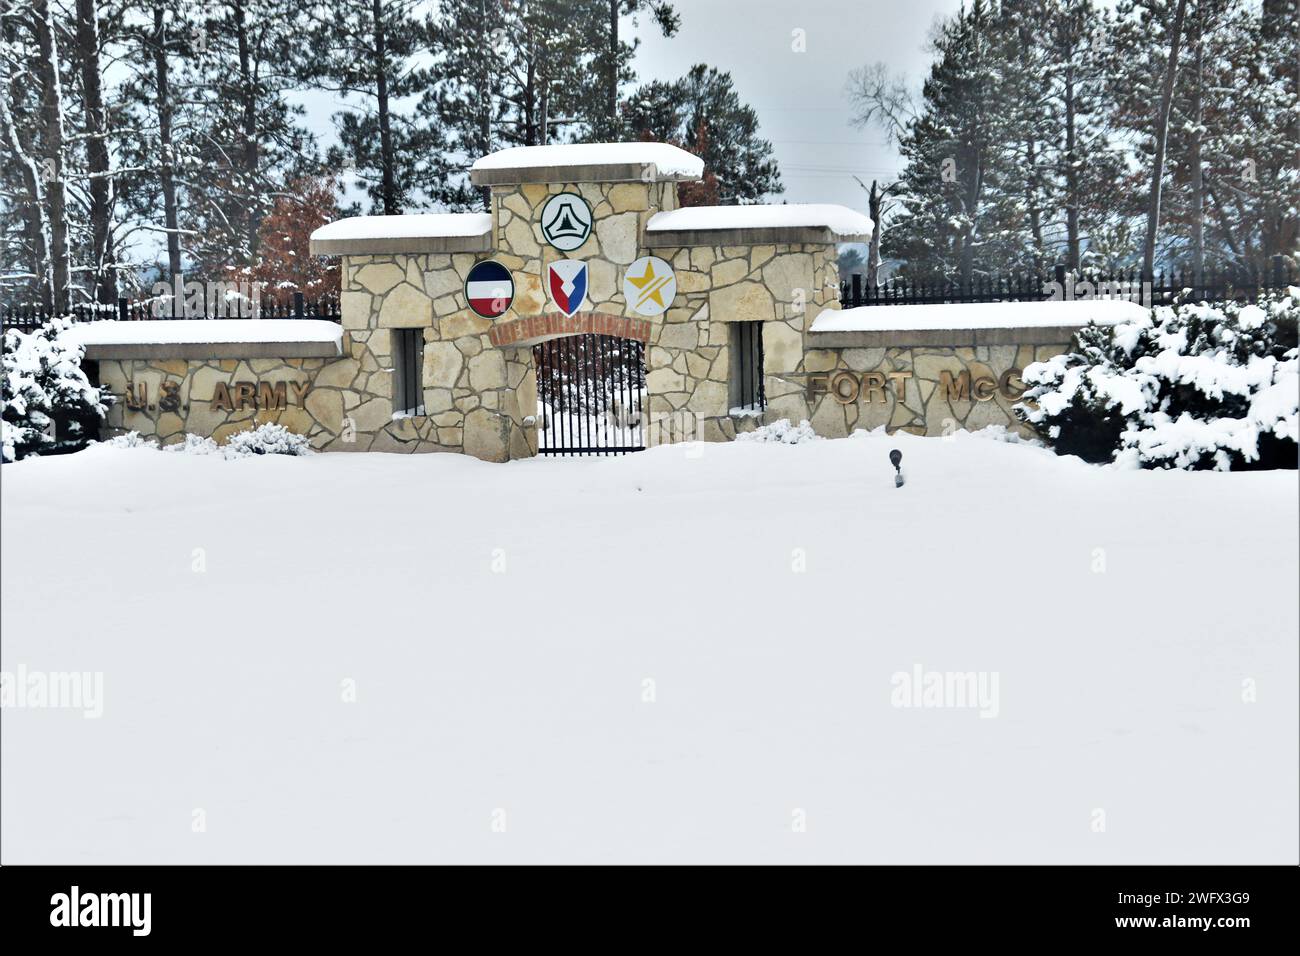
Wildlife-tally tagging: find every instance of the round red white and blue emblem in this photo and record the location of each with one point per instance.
(489, 289)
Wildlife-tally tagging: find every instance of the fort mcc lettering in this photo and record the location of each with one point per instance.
(850, 387)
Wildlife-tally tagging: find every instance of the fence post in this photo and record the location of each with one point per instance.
(297, 305)
(121, 310)
(1060, 277)
(857, 290)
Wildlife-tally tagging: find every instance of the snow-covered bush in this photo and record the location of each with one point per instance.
(782, 431)
(265, 439)
(1193, 386)
(999, 433)
(49, 407)
(195, 445)
(132, 440)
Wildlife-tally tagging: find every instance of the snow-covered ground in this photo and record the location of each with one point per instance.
(501, 625)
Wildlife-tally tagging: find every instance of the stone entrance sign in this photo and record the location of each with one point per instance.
(737, 307)
(597, 214)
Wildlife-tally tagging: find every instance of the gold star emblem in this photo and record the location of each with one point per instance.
(650, 286)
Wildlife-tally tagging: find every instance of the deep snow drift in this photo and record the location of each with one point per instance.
(500, 623)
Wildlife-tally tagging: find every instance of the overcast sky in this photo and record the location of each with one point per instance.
(800, 97)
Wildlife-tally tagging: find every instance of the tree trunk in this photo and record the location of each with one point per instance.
(1162, 141)
(388, 187)
(485, 102)
(166, 170)
(484, 92)
(972, 199)
(248, 132)
(544, 129)
(101, 194)
(875, 206)
(1225, 223)
(1198, 174)
(529, 96)
(47, 72)
(1031, 200)
(36, 223)
(612, 93)
(1072, 197)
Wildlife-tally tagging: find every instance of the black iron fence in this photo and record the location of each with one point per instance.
(295, 306)
(591, 395)
(1161, 289)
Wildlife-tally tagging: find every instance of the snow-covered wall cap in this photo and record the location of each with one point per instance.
(978, 315)
(208, 338)
(417, 233)
(587, 162)
(745, 225)
(973, 323)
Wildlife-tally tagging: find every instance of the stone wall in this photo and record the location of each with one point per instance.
(688, 365)
(166, 398)
(927, 390)
(480, 397)
(478, 383)
(471, 388)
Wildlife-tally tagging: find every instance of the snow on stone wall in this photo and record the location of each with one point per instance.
(479, 390)
(927, 390)
(166, 398)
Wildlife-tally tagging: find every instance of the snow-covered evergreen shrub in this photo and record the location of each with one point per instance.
(195, 445)
(49, 407)
(782, 431)
(268, 439)
(1193, 386)
(132, 440)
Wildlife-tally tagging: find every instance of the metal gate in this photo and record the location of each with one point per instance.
(590, 395)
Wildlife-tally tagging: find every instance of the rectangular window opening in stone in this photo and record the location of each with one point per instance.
(747, 393)
(408, 361)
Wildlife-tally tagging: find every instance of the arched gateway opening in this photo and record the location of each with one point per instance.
(591, 395)
(590, 370)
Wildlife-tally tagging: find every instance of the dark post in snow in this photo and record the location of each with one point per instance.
(896, 459)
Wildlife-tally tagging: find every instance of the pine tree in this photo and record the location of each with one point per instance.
(24, 214)
(703, 113)
(161, 99)
(615, 62)
(550, 50)
(48, 405)
(961, 214)
(1035, 121)
(53, 131)
(1087, 168)
(469, 39)
(366, 51)
(1253, 146)
(248, 140)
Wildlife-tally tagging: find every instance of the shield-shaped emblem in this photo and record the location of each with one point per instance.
(567, 280)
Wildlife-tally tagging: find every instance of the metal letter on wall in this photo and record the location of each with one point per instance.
(955, 391)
